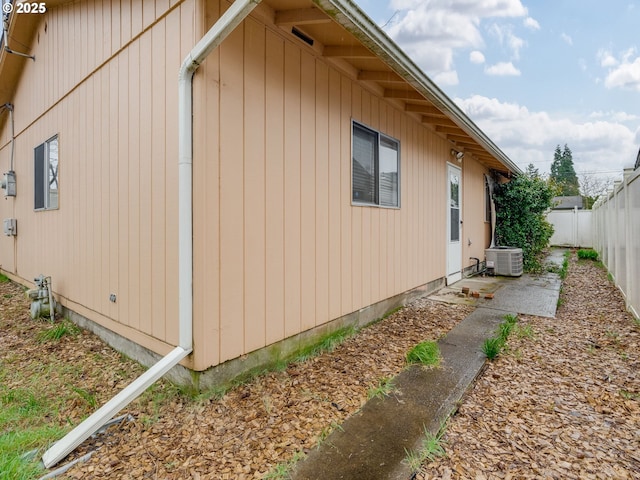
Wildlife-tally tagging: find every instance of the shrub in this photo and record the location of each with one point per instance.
(520, 216)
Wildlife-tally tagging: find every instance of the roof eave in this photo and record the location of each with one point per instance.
(352, 18)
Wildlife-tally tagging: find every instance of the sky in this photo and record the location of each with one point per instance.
(533, 74)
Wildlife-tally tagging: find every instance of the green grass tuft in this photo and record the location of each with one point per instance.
(427, 353)
(326, 344)
(492, 347)
(525, 331)
(384, 388)
(282, 471)
(588, 254)
(59, 330)
(430, 449)
(3, 278)
(565, 265)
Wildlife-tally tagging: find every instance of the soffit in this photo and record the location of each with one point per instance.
(342, 42)
(341, 39)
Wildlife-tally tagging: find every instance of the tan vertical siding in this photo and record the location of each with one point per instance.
(335, 195)
(307, 191)
(145, 180)
(206, 175)
(274, 189)
(158, 176)
(293, 252)
(475, 229)
(323, 188)
(279, 248)
(346, 217)
(292, 190)
(116, 118)
(175, 52)
(254, 187)
(232, 292)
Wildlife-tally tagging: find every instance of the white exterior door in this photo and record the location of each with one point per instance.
(454, 224)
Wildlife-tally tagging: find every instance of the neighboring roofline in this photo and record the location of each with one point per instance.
(352, 18)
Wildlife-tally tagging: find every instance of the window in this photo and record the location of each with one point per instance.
(45, 168)
(375, 168)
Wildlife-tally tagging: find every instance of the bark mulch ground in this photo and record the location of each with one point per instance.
(563, 403)
(244, 434)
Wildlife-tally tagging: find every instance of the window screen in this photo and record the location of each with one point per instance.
(45, 175)
(375, 168)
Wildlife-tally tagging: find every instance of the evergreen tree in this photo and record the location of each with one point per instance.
(532, 171)
(562, 172)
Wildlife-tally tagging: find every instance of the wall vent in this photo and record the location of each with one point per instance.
(302, 36)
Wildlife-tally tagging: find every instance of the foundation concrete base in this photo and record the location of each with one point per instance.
(261, 359)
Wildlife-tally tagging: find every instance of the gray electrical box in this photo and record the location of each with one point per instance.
(9, 183)
(10, 226)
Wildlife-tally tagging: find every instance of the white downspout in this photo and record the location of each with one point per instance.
(220, 30)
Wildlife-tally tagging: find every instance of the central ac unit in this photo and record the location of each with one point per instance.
(506, 261)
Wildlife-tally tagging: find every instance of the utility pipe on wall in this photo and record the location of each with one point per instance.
(9, 106)
(212, 39)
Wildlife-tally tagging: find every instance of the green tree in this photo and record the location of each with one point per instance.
(532, 171)
(562, 172)
(521, 205)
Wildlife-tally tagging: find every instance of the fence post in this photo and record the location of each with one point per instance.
(628, 241)
(575, 226)
(610, 226)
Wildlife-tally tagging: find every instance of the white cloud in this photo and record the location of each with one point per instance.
(476, 57)
(446, 78)
(531, 137)
(505, 36)
(480, 8)
(503, 69)
(566, 38)
(626, 75)
(531, 23)
(619, 117)
(623, 72)
(430, 31)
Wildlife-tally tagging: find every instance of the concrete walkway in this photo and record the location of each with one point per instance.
(373, 443)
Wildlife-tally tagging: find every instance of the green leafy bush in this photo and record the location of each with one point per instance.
(520, 216)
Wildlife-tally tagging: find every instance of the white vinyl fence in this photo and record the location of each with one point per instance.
(571, 228)
(616, 227)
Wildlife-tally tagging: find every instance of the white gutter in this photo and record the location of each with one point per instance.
(220, 30)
